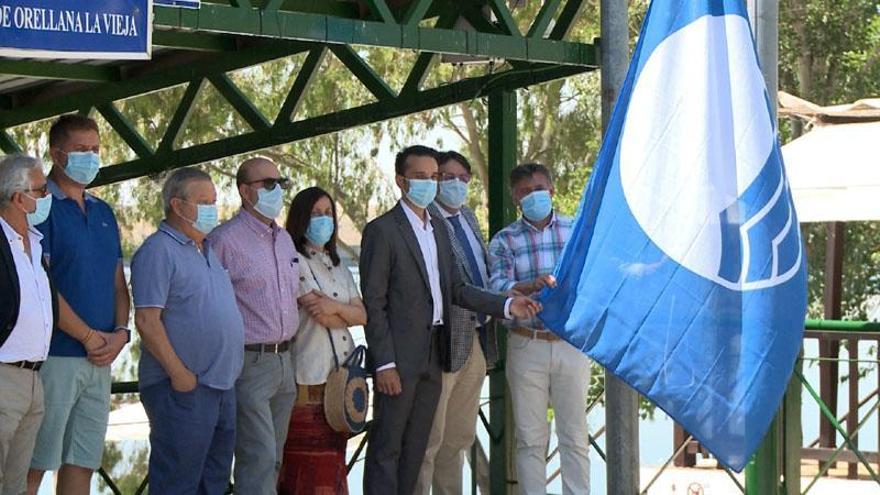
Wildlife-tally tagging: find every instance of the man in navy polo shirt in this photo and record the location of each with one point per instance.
(81, 243)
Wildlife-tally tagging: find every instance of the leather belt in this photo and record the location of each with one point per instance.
(28, 365)
(531, 333)
(272, 348)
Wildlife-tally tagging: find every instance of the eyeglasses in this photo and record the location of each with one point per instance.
(434, 177)
(43, 190)
(463, 177)
(269, 183)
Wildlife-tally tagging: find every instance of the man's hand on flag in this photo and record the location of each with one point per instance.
(524, 307)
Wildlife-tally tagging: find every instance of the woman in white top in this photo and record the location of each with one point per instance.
(329, 303)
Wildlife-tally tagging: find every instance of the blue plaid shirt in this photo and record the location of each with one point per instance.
(520, 253)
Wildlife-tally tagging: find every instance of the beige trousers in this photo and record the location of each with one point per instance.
(555, 373)
(454, 427)
(21, 411)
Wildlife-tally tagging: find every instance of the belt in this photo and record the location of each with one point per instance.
(309, 394)
(273, 348)
(28, 365)
(535, 334)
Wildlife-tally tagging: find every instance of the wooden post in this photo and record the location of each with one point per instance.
(830, 348)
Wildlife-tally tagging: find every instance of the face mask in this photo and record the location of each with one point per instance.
(269, 203)
(320, 230)
(537, 206)
(206, 218)
(452, 193)
(41, 213)
(421, 191)
(82, 166)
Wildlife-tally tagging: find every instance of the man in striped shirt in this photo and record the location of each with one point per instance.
(541, 368)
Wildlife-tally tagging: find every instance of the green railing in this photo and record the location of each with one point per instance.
(848, 451)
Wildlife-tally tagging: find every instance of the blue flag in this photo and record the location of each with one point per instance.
(686, 275)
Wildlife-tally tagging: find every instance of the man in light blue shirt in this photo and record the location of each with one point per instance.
(192, 341)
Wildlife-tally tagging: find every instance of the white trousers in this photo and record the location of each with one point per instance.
(454, 427)
(555, 373)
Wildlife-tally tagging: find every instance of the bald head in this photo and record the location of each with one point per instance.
(255, 168)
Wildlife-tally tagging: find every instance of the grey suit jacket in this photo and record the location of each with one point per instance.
(463, 323)
(396, 294)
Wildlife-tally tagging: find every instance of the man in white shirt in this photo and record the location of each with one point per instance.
(27, 315)
(409, 281)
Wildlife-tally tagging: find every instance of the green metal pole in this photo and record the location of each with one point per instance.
(762, 472)
(502, 158)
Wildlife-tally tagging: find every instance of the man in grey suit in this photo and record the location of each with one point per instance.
(471, 340)
(409, 281)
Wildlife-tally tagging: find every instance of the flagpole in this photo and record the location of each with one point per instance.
(764, 471)
(621, 401)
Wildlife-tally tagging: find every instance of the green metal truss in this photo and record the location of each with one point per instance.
(209, 43)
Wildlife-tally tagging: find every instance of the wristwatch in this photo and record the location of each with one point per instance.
(127, 333)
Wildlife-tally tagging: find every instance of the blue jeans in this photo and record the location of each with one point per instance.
(192, 438)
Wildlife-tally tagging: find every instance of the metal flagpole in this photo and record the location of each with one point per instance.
(621, 401)
(764, 471)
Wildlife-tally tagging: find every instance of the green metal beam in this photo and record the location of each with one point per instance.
(335, 30)
(248, 111)
(567, 18)
(7, 144)
(502, 158)
(57, 70)
(508, 24)
(542, 20)
(465, 90)
(42, 104)
(361, 70)
(426, 60)
(303, 79)
(183, 40)
(416, 12)
(181, 116)
(381, 11)
(125, 129)
(418, 73)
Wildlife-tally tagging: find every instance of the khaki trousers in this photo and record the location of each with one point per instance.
(454, 427)
(555, 373)
(21, 411)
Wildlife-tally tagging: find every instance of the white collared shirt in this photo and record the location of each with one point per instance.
(425, 235)
(32, 333)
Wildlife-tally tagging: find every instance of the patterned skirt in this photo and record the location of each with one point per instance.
(314, 453)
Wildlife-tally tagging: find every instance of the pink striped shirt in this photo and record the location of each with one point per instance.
(264, 268)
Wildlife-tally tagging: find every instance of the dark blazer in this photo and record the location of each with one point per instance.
(9, 286)
(462, 322)
(394, 285)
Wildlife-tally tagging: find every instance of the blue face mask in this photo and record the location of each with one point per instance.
(206, 218)
(422, 191)
(41, 213)
(452, 193)
(82, 166)
(537, 206)
(269, 202)
(320, 230)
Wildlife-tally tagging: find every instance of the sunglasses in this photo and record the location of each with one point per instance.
(270, 183)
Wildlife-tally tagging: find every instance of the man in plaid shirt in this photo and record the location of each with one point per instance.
(541, 368)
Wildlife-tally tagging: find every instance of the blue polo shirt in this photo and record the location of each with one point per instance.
(199, 311)
(83, 250)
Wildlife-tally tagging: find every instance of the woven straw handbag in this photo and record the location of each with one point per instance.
(346, 395)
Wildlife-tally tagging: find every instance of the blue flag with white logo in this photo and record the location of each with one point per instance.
(686, 275)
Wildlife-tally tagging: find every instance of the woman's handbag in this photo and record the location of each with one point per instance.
(346, 394)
